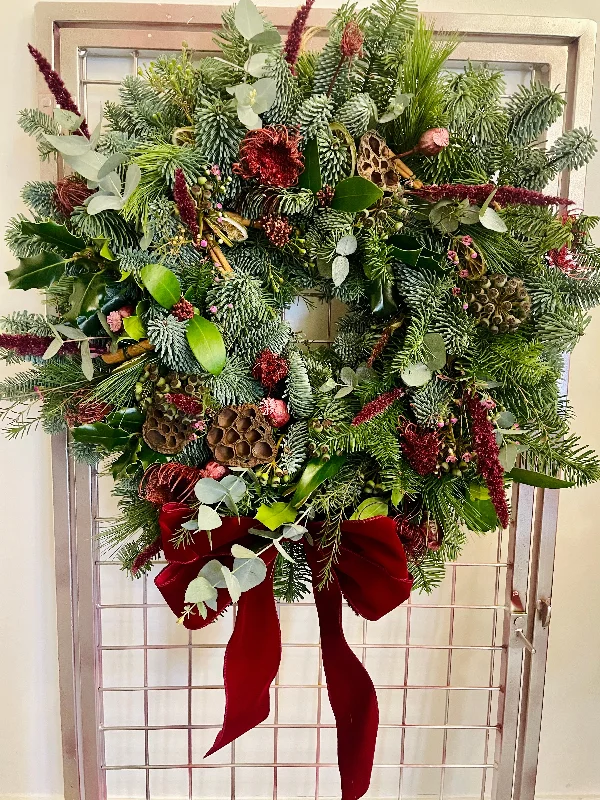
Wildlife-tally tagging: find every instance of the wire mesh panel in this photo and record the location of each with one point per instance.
(148, 694)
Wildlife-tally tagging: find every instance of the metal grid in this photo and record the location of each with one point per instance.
(448, 669)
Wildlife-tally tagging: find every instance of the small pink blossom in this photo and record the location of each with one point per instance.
(456, 291)
(199, 425)
(115, 323)
(230, 305)
(464, 273)
(453, 420)
(213, 309)
(219, 206)
(214, 470)
(466, 240)
(466, 457)
(214, 170)
(203, 243)
(465, 306)
(489, 404)
(452, 256)
(441, 423)
(451, 459)
(474, 254)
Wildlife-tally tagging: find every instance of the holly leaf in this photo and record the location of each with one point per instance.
(102, 435)
(250, 572)
(206, 343)
(355, 194)
(275, 515)
(55, 235)
(36, 272)
(311, 176)
(162, 284)
(87, 293)
(127, 419)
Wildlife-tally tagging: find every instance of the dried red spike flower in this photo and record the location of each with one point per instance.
(26, 344)
(352, 40)
(269, 369)
(147, 554)
(421, 447)
(69, 193)
(271, 156)
(488, 455)
(59, 91)
(183, 309)
(506, 195)
(185, 203)
(293, 42)
(377, 406)
(277, 230)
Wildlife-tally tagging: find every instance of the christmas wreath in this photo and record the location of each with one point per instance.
(218, 191)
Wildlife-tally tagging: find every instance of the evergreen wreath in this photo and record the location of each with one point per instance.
(220, 189)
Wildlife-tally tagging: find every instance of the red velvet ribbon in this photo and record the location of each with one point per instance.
(371, 574)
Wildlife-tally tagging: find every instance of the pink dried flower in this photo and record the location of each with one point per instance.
(456, 291)
(276, 411)
(352, 40)
(203, 243)
(215, 170)
(213, 309)
(467, 240)
(115, 322)
(464, 273)
(433, 141)
(214, 470)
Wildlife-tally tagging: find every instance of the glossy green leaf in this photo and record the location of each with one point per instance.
(134, 327)
(55, 235)
(480, 515)
(381, 295)
(162, 284)
(87, 293)
(405, 249)
(355, 194)
(532, 478)
(127, 419)
(206, 343)
(102, 435)
(36, 272)
(371, 507)
(248, 19)
(315, 473)
(275, 515)
(311, 177)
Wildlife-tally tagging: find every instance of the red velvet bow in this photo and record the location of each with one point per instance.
(370, 573)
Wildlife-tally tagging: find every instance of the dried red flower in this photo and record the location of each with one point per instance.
(183, 309)
(169, 483)
(271, 156)
(26, 344)
(269, 369)
(417, 538)
(506, 195)
(377, 406)
(59, 91)
(421, 447)
(276, 411)
(352, 40)
(147, 554)
(293, 42)
(565, 261)
(325, 196)
(185, 203)
(80, 409)
(214, 470)
(189, 405)
(69, 193)
(433, 141)
(488, 455)
(277, 230)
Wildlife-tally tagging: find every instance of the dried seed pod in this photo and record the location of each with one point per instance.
(166, 430)
(240, 436)
(499, 303)
(376, 162)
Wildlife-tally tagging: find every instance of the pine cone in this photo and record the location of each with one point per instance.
(240, 436)
(166, 429)
(499, 302)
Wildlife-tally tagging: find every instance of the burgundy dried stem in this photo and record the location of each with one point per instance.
(293, 43)
(505, 195)
(56, 85)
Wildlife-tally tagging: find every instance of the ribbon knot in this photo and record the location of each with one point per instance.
(370, 573)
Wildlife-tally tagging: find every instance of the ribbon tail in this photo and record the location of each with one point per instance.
(251, 662)
(351, 693)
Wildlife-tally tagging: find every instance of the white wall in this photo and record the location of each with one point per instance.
(30, 761)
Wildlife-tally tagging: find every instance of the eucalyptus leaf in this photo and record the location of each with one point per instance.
(508, 455)
(111, 183)
(346, 245)
(71, 333)
(505, 419)
(339, 270)
(199, 590)
(248, 19)
(250, 572)
(210, 491)
(111, 163)
(53, 348)
(239, 551)
(491, 220)
(436, 350)
(348, 376)
(208, 519)
(213, 574)
(87, 165)
(67, 119)
(282, 551)
(266, 92)
(235, 487)
(267, 38)
(103, 202)
(132, 179)
(249, 117)
(416, 374)
(257, 64)
(328, 386)
(233, 584)
(87, 365)
(69, 145)
(343, 392)
(293, 531)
